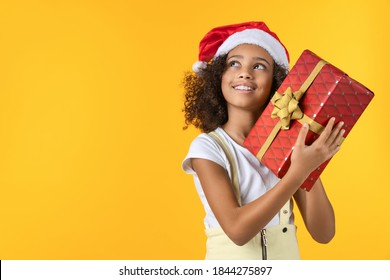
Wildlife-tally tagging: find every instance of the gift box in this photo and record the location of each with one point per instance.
(313, 92)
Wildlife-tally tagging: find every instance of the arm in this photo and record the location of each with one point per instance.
(317, 212)
(242, 223)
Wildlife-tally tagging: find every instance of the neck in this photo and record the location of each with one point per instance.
(239, 124)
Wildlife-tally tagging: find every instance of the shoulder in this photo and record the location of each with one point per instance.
(204, 147)
(204, 143)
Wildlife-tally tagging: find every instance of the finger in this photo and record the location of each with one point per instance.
(334, 151)
(337, 140)
(335, 146)
(326, 132)
(334, 134)
(302, 135)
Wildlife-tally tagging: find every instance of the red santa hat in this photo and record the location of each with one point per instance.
(221, 40)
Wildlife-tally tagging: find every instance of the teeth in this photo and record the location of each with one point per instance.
(243, 88)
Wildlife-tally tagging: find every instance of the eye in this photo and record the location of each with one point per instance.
(234, 63)
(259, 66)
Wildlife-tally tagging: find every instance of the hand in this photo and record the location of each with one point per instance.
(305, 159)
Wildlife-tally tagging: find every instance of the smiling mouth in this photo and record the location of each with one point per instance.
(244, 88)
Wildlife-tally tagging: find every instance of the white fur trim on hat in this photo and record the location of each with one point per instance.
(259, 38)
(197, 66)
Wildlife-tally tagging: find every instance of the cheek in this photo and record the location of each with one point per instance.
(269, 86)
(224, 84)
(267, 82)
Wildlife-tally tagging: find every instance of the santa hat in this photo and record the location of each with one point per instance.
(221, 40)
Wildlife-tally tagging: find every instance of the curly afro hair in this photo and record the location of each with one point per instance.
(204, 105)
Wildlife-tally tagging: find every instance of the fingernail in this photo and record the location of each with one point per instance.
(305, 125)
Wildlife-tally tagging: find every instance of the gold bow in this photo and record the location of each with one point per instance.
(286, 107)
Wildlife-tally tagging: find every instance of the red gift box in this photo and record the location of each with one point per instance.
(313, 92)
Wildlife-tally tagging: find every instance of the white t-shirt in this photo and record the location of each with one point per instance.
(254, 178)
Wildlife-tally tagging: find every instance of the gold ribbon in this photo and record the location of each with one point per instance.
(286, 108)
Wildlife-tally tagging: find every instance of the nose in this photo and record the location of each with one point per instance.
(245, 74)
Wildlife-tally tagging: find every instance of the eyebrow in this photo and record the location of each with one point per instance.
(256, 58)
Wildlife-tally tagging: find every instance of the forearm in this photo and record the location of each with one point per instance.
(317, 212)
(251, 218)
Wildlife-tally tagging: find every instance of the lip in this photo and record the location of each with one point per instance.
(243, 87)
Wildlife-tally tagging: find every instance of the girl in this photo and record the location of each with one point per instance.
(239, 69)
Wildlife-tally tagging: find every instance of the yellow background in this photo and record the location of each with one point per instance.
(91, 138)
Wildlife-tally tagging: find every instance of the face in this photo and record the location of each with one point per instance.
(247, 80)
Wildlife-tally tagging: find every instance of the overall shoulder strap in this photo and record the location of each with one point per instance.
(285, 213)
(232, 162)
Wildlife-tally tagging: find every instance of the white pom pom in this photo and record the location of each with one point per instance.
(197, 66)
